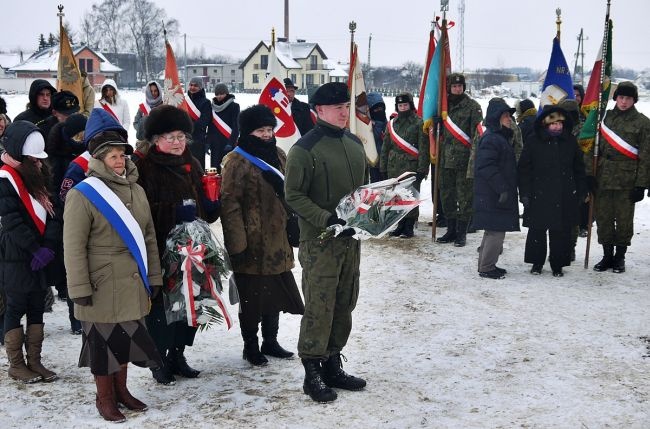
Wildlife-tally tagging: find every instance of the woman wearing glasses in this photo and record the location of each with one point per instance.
(171, 178)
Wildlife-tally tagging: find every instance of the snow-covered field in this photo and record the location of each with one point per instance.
(439, 346)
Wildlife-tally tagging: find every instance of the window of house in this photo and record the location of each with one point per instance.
(194, 71)
(232, 72)
(322, 79)
(309, 79)
(89, 65)
(294, 79)
(264, 61)
(256, 78)
(314, 62)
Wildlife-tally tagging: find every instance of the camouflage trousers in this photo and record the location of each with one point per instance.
(456, 193)
(330, 285)
(614, 213)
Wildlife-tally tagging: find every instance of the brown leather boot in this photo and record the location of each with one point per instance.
(34, 345)
(122, 394)
(105, 399)
(14, 340)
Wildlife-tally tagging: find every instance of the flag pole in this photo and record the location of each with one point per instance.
(444, 6)
(601, 114)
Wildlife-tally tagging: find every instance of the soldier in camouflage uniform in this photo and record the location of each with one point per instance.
(622, 175)
(405, 148)
(323, 166)
(455, 187)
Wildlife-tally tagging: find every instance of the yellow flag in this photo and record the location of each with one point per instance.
(68, 76)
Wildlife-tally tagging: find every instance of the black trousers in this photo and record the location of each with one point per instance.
(19, 304)
(167, 336)
(559, 243)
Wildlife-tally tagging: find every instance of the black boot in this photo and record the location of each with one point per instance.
(270, 345)
(470, 226)
(461, 234)
(618, 266)
(334, 376)
(608, 258)
(397, 231)
(252, 349)
(178, 364)
(450, 235)
(163, 374)
(313, 384)
(407, 231)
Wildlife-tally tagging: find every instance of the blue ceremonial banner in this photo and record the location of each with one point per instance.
(558, 84)
(430, 104)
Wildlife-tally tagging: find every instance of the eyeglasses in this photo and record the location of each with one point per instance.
(169, 138)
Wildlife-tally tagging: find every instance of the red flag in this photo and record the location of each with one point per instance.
(275, 98)
(173, 92)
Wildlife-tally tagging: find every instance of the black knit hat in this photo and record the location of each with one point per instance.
(164, 119)
(626, 88)
(255, 117)
(15, 137)
(75, 124)
(330, 93)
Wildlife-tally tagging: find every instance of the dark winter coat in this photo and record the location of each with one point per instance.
(467, 114)
(495, 172)
(42, 118)
(168, 180)
(302, 116)
(551, 173)
(97, 261)
(393, 160)
(61, 150)
(228, 111)
(253, 216)
(19, 239)
(200, 132)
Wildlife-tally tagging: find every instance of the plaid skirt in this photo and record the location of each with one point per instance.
(107, 346)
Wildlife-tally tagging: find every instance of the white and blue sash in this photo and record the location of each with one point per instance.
(262, 165)
(121, 219)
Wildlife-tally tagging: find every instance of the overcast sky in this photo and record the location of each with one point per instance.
(498, 33)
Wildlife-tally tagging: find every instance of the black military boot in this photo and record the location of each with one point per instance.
(163, 374)
(252, 349)
(334, 376)
(397, 231)
(608, 258)
(270, 345)
(461, 234)
(178, 364)
(618, 266)
(450, 235)
(314, 385)
(407, 231)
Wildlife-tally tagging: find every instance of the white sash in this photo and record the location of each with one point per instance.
(221, 125)
(457, 132)
(38, 212)
(400, 142)
(194, 112)
(617, 142)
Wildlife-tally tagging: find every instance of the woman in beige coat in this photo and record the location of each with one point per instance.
(104, 281)
(254, 219)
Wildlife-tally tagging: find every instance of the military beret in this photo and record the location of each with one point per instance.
(330, 93)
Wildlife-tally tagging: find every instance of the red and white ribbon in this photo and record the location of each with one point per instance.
(221, 125)
(400, 142)
(457, 132)
(109, 109)
(618, 143)
(145, 109)
(193, 111)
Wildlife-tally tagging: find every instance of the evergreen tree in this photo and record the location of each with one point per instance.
(42, 44)
(51, 40)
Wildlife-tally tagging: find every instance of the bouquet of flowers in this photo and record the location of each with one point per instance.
(374, 209)
(195, 270)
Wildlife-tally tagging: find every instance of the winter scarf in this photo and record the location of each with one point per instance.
(220, 107)
(264, 150)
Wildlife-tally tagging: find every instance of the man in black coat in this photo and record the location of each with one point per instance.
(495, 187)
(300, 111)
(39, 109)
(203, 119)
(223, 138)
(551, 176)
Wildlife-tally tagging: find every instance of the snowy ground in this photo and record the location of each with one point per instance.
(439, 346)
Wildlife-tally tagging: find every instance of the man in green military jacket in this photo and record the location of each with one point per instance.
(405, 148)
(323, 166)
(460, 127)
(622, 175)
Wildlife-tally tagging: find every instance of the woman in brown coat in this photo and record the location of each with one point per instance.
(254, 222)
(110, 290)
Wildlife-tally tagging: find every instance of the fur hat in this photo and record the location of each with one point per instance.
(108, 138)
(166, 118)
(456, 78)
(288, 83)
(330, 93)
(626, 88)
(65, 102)
(221, 88)
(23, 138)
(255, 117)
(553, 117)
(522, 106)
(404, 97)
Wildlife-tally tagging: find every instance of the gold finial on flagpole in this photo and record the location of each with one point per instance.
(273, 36)
(60, 14)
(558, 21)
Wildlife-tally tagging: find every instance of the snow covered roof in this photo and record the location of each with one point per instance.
(48, 60)
(288, 52)
(10, 59)
(337, 69)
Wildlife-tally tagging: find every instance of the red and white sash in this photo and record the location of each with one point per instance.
(82, 161)
(400, 142)
(35, 209)
(457, 132)
(221, 125)
(145, 109)
(617, 142)
(194, 111)
(480, 128)
(108, 108)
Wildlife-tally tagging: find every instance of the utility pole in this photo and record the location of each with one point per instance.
(185, 55)
(580, 57)
(369, 49)
(286, 20)
(461, 38)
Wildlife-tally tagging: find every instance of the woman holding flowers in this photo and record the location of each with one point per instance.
(254, 219)
(171, 178)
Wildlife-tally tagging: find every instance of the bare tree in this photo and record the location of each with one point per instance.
(109, 20)
(89, 33)
(412, 75)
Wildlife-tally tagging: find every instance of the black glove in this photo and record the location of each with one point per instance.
(84, 301)
(334, 220)
(347, 232)
(238, 258)
(275, 181)
(637, 194)
(210, 206)
(185, 213)
(503, 197)
(419, 177)
(525, 201)
(592, 184)
(155, 291)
